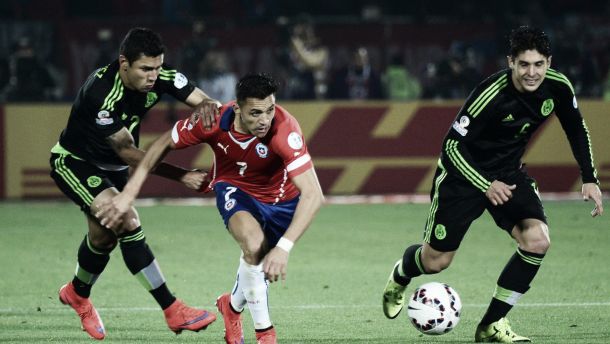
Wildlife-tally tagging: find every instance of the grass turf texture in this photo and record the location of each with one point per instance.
(333, 290)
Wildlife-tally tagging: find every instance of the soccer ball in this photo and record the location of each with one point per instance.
(434, 308)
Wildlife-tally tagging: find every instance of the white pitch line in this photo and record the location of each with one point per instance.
(59, 309)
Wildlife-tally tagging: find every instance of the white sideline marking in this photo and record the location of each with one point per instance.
(351, 199)
(60, 309)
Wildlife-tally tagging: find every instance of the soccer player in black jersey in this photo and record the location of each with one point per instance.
(90, 164)
(480, 168)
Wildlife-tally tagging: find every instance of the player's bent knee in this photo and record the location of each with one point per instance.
(106, 243)
(537, 239)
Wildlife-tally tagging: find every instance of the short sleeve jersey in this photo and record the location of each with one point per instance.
(103, 106)
(490, 133)
(263, 168)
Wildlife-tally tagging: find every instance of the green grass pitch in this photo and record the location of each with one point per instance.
(333, 290)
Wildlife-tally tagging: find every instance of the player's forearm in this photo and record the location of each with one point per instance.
(308, 206)
(149, 162)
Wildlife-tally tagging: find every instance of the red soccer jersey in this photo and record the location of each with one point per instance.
(259, 167)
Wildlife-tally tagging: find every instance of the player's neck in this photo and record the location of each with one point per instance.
(235, 128)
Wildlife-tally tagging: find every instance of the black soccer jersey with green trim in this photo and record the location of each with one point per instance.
(490, 133)
(103, 106)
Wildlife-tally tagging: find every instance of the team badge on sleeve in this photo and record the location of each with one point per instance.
(295, 141)
(574, 103)
(262, 150)
(180, 80)
(103, 118)
(460, 126)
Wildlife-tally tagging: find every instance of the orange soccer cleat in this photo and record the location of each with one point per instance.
(89, 318)
(233, 330)
(266, 337)
(181, 317)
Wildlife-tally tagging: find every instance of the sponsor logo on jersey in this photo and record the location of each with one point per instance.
(574, 103)
(262, 150)
(547, 107)
(151, 98)
(94, 181)
(508, 118)
(440, 232)
(103, 118)
(460, 126)
(230, 203)
(295, 141)
(224, 148)
(180, 80)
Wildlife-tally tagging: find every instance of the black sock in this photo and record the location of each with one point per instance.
(513, 282)
(141, 262)
(411, 263)
(91, 263)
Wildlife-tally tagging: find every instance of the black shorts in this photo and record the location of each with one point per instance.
(82, 181)
(456, 203)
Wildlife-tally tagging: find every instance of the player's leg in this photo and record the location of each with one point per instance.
(454, 205)
(141, 262)
(531, 234)
(248, 233)
(81, 183)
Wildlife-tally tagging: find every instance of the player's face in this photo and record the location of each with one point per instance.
(142, 73)
(255, 116)
(529, 69)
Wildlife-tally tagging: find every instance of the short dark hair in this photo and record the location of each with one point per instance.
(528, 38)
(259, 86)
(141, 41)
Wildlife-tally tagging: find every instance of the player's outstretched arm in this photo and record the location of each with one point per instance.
(112, 211)
(592, 191)
(205, 108)
(276, 261)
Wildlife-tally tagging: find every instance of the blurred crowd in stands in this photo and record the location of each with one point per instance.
(357, 49)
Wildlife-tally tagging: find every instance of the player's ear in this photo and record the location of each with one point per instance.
(236, 109)
(123, 62)
(510, 61)
(549, 61)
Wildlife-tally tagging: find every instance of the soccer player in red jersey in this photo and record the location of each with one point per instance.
(267, 192)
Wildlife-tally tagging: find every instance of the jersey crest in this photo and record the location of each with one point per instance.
(547, 107)
(151, 98)
(262, 150)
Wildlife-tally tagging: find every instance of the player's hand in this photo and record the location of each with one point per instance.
(592, 191)
(499, 193)
(111, 211)
(207, 111)
(195, 180)
(275, 264)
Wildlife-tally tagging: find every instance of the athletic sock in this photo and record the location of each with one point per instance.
(238, 300)
(410, 266)
(513, 282)
(142, 263)
(90, 264)
(254, 288)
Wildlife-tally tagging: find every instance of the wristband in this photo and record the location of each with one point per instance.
(285, 244)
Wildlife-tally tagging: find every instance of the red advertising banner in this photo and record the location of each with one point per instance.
(358, 148)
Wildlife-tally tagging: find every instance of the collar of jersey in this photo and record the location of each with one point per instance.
(226, 119)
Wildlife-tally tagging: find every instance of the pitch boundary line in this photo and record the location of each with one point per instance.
(60, 309)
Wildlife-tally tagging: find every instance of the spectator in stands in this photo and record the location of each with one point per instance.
(217, 78)
(454, 76)
(292, 70)
(29, 78)
(357, 80)
(398, 83)
(195, 49)
(309, 55)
